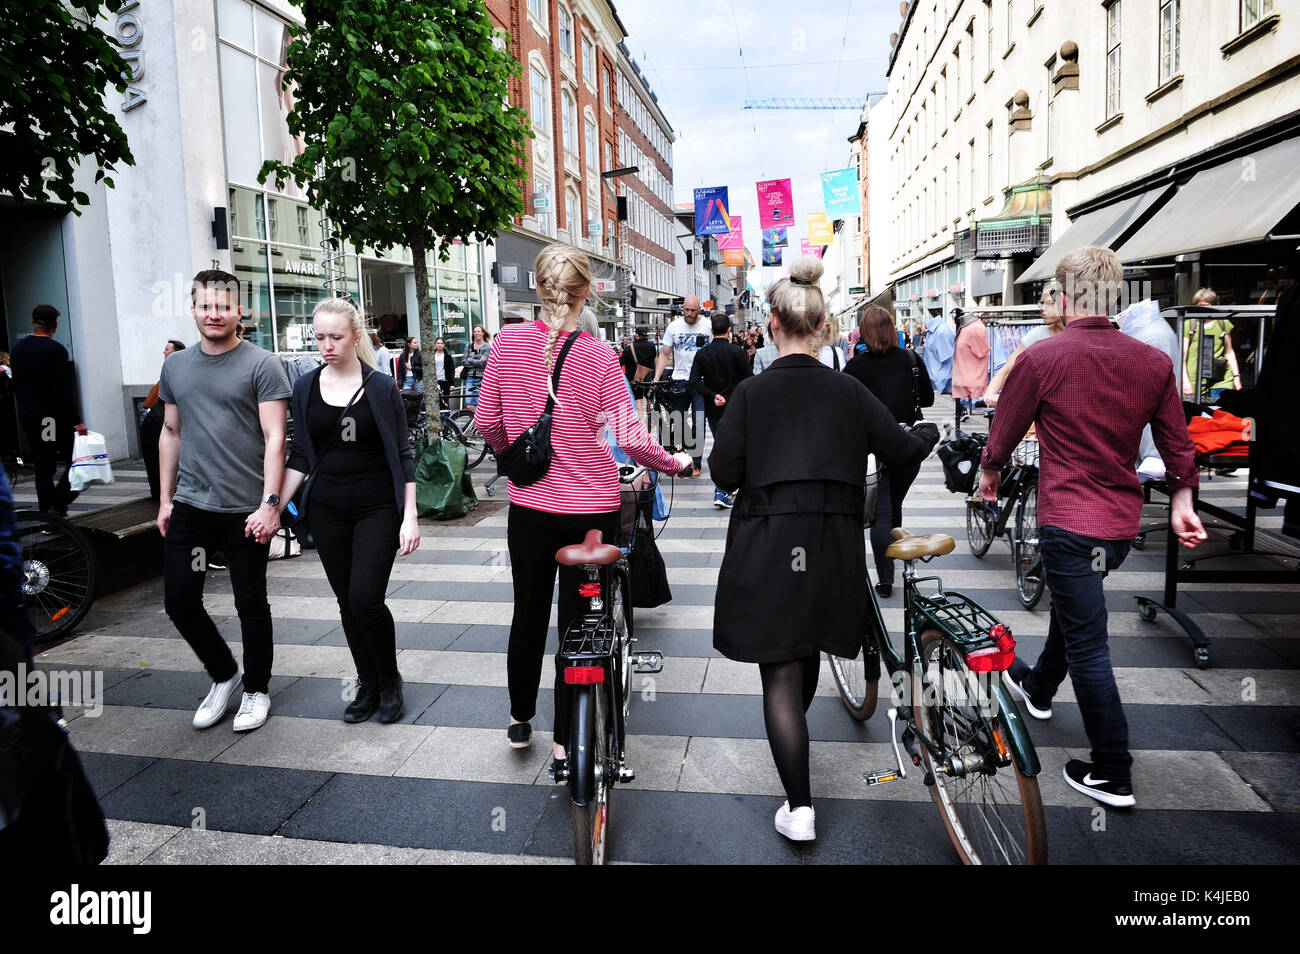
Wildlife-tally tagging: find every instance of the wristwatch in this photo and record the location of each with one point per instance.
(272, 499)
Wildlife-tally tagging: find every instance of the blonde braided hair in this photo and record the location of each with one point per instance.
(563, 285)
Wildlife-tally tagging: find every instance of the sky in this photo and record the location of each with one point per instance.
(692, 55)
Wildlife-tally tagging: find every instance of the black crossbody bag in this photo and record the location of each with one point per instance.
(528, 458)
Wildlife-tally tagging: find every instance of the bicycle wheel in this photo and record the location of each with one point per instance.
(1029, 559)
(979, 526)
(858, 693)
(994, 815)
(475, 445)
(590, 821)
(620, 611)
(58, 573)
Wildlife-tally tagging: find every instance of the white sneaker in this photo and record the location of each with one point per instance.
(213, 707)
(253, 711)
(797, 825)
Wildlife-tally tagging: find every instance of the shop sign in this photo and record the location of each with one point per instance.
(604, 286)
(129, 35)
(297, 267)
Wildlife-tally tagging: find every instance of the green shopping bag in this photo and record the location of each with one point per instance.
(443, 488)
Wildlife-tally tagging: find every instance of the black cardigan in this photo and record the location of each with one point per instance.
(889, 377)
(390, 417)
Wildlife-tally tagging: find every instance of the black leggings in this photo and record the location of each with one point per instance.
(357, 547)
(788, 691)
(533, 537)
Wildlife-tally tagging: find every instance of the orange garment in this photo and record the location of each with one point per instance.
(1223, 434)
(970, 362)
(152, 399)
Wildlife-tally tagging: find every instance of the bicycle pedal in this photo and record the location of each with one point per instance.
(879, 778)
(626, 774)
(650, 661)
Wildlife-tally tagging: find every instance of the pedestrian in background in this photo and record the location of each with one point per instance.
(221, 466)
(715, 373)
(410, 367)
(46, 393)
(1052, 325)
(383, 358)
(356, 468)
(446, 368)
(580, 489)
(1090, 391)
(682, 339)
(474, 363)
(899, 380)
(151, 425)
(795, 442)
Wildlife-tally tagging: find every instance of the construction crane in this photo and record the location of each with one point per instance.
(855, 103)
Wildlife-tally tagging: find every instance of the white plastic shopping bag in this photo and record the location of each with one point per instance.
(89, 461)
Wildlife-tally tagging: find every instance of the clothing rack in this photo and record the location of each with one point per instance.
(1241, 540)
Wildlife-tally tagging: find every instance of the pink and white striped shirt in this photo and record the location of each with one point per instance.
(583, 477)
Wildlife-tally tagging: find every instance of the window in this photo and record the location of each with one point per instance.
(988, 40)
(1010, 27)
(1047, 118)
(971, 167)
(609, 156)
(571, 215)
(1169, 40)
(569, 123)
(259, 217)
(541, 101)
(956, 75)
(1252, 11)
(538, 10)
(304, 234)
(590, 143)
(273, 218)
(988, 166)
(1112, 59)
(566, 32)
(956, 183)
(942, 117)
(970, 53)
(588, 61)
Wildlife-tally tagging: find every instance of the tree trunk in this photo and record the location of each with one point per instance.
(426, 332)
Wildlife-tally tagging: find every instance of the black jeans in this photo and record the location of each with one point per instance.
(50, 447)
(1077, 645)
(357, 546)
(150, 430)
(533, 536)
(192, 537)
(893, 487)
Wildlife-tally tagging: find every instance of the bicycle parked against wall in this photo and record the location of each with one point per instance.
(457, 426)
(959, 720)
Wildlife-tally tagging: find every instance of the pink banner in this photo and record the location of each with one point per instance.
(733, 239)
(806, 249)
(775, 203)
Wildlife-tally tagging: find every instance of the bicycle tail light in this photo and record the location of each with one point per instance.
(583, 675)
(995, 658)
(588, 589)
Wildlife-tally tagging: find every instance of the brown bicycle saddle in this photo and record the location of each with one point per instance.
(590, 551)
(908, 546)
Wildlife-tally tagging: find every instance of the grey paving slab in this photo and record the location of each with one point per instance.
(486, 707)
(130, 843)
(325, 699)
(106, 772)
(1258, 728)
(478, 755)
(285, 629)
(169, 689)
(231, 797)
(324, 745)
(1176, 837)
(191, 847)
(1275, 776)
(157, 733)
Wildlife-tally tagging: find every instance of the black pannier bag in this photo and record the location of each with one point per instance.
(960, 456)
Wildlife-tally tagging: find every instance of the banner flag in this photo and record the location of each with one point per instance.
(840, 192)
(772, 256)
(711, 215)
(734, 238)
(733, 256)
(820, 230)
(775, 238)
(775, 203)
(807, 248)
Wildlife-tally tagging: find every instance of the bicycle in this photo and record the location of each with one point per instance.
(986, 520)
(669, 413)
(959, 719)
(58, 567)
(598, 663)
(457, 426)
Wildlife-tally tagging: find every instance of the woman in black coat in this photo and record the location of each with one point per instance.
(896, 376)
(793, 578)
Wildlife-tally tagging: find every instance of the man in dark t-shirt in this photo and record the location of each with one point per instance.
(46, 394)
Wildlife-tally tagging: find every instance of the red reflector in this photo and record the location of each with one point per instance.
(588, 589)
(990, 659)
(584, 675)
(1002, 637)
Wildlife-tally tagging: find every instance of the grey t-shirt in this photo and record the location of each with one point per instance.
(1034, 335)
(222, 447)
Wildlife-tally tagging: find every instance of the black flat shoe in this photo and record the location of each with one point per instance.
(559, 771)
(885, 589)
(364, 705)
(520, 735)
(391, 705)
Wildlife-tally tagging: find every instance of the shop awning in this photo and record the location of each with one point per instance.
(1240, 201)
(1101, 227)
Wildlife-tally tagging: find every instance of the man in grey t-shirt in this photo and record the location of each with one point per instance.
(221, 461)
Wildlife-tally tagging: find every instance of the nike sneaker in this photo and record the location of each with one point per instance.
(1079, 775)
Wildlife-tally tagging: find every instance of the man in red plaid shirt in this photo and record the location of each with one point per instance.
(1090, 390)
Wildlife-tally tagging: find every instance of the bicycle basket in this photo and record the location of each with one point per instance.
(960, 456)
(634, 517)
(1026, 453)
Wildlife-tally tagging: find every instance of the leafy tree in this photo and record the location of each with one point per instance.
(55, 65)
(403, 107)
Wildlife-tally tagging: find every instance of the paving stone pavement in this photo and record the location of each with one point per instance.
(1216, 766)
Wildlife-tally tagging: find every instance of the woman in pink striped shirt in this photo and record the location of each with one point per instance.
(580, 490)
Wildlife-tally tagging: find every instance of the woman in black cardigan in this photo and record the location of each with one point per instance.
(896, 376)
(793, 578)
(351, 451)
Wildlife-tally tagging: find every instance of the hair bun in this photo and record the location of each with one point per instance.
(806, 270)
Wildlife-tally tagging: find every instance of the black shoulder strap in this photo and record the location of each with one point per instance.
(329, 441)
(555, 375)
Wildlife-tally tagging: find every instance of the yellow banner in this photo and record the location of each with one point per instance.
(820, 230)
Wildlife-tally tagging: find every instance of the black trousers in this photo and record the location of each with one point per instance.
(894, 485)
(150, 430)
(357, 547)
(533, 536)
(192, 537)
(50, 447)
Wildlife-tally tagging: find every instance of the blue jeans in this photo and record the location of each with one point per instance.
(1074, 568)
(471, 391)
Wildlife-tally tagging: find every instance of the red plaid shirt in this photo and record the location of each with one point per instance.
(1091, 390)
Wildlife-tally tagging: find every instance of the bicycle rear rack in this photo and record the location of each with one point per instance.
(588, 638)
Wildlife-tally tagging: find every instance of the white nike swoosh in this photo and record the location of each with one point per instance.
(1089, 780)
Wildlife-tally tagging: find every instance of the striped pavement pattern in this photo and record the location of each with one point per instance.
(1215, 750)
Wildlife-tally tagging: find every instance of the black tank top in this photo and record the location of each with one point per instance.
(354, 470)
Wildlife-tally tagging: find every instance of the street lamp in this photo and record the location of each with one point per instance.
(626, 296)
